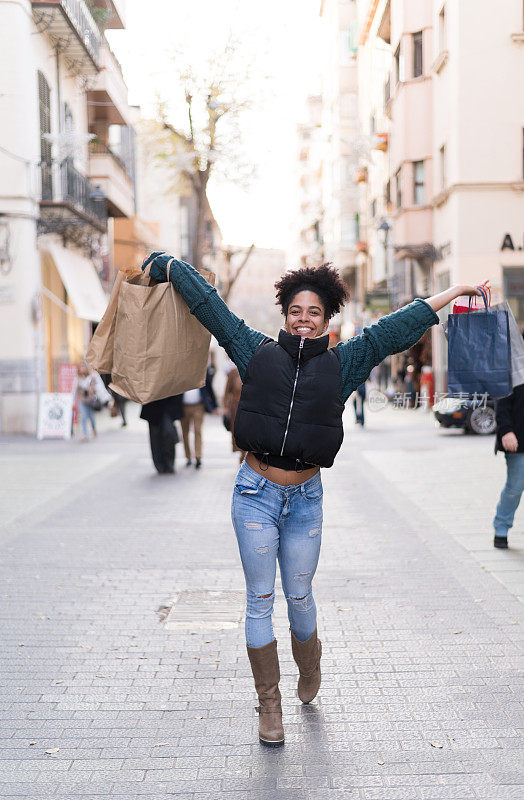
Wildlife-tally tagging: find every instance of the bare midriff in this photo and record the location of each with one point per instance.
(284, 477)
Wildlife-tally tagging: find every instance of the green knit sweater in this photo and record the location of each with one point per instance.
(391, 334)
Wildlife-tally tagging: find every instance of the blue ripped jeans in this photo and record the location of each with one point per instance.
(277, 522)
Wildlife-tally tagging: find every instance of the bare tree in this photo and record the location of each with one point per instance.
(232, 273)
(207, 140)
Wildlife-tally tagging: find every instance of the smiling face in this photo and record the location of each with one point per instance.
(306, 315)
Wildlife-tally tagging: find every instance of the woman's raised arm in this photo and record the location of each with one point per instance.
(393, 333)
(238, 339)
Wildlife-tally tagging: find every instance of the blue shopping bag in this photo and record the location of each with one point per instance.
(479, 353)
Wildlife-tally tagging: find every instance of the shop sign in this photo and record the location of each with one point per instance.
(378, 301)
(55, 415)
(67, 376)
(507, 243)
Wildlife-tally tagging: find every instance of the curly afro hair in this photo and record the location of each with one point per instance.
(324, 281)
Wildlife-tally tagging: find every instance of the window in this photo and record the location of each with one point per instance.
(419, 189)
(523, 154)
(443, 171)
(418, 66)
(348, 232)
(353, 38)
(387, 194)
(399, 65)
(373, 209)
(44, 102)
(442, 38)
(348, 45)
(346, 172)
(372, 124)
(69, 122)
(387, 92)
(398, 187)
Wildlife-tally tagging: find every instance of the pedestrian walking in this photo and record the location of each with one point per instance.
(87, 400)
(163, 434)
(230, 403)
(510, 439)
(289, 421)
(119, 406)
(196, 403)
(358, 404)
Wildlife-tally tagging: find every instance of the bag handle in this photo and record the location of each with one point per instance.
(148, 268)
(482, 294)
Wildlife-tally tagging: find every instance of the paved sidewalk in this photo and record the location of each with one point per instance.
(420, 697)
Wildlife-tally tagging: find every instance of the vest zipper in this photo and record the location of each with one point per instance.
(302, 339)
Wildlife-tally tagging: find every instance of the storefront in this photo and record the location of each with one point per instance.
(72, 299)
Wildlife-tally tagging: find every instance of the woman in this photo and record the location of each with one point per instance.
(87, 400)
(289, 421)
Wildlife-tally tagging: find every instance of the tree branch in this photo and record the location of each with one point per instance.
(232, 278)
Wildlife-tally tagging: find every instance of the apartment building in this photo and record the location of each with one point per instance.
(340, 225)
(308, 249)
(451, 205)
(478, 145)
(66, 166)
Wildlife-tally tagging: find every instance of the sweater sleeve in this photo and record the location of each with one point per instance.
(392, 334)
(238, 339)
(504, 414)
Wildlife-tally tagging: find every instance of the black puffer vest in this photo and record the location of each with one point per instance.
(290, 408)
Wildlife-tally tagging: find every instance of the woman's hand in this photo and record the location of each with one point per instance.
(159, 262)
(438, 301)
(510, 442)
(473, 291)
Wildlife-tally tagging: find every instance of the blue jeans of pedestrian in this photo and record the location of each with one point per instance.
(86, 413)
(511, 494)
(283, 523)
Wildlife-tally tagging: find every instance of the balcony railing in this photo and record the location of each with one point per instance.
(63, 185)
(60, 17)
(97, 148)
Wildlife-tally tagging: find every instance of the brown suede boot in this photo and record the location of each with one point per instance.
(266, 672)
(307, 656)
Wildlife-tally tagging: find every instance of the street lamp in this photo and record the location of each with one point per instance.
(383, 232)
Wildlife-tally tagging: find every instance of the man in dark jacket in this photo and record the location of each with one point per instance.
(163, 435)
(510, 439)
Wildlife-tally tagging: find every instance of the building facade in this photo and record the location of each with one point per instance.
(66, 165)
(478, 146)
(448, 199)
(341, 141)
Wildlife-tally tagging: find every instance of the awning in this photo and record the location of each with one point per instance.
(82, 284)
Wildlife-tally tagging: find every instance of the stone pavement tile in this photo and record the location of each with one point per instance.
(447, 793)
(390, 794)
(500, 793)
(49, 791)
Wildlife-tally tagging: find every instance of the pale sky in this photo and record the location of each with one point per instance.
(285, 36)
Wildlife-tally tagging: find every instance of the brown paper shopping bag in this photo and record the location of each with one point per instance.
(160, 349)
(99, 354)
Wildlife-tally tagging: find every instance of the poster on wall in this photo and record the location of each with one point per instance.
(67, 377)
(55, 416)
